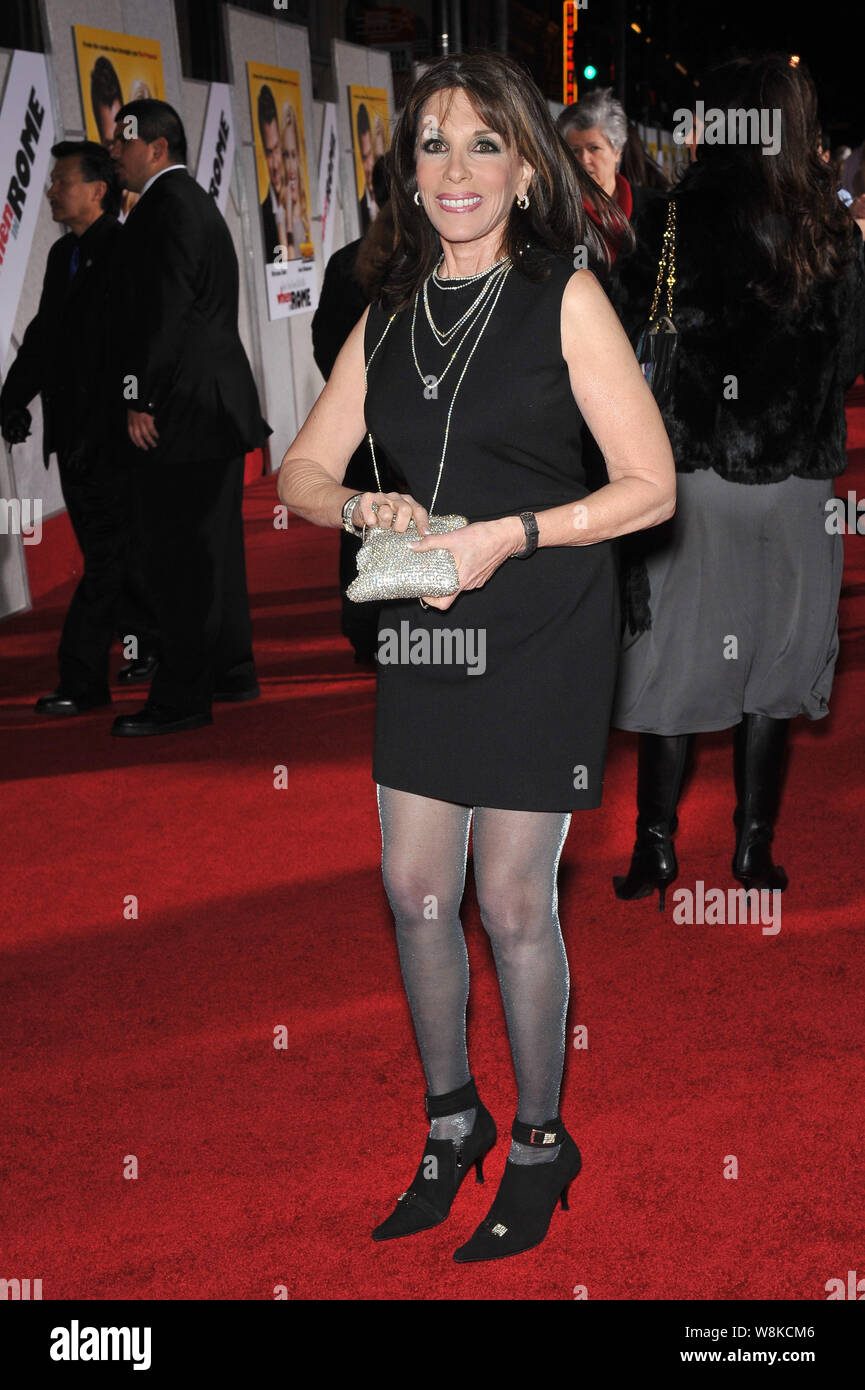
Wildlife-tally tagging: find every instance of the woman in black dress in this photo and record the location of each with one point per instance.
(484, 354)
(740, 626)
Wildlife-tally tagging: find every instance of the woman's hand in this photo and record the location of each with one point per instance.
(478, 550)
(390, 510)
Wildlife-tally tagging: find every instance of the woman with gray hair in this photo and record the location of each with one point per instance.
(596, 129)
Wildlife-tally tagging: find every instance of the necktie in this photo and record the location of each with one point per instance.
(74, 262)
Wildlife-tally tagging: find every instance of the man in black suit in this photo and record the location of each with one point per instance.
(268, 126)
(65, 356)
(193, 413)
(367, 209)
(341, 303)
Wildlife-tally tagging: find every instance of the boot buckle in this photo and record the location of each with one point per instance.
(540, 1136)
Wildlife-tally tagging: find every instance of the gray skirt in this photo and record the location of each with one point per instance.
(745, 582)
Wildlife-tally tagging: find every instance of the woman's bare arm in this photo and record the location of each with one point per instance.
(312, 470)
(621, 413)
(620, 410)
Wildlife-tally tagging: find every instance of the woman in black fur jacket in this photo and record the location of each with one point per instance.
(733, 604)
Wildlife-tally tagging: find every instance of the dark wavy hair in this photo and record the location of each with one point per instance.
(104, 86)
(376, 248)
(266, 108)
(506, 98)
(783, 208)
(638, 167)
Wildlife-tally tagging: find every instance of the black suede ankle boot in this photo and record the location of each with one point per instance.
(520, 1215)
(444, 1164)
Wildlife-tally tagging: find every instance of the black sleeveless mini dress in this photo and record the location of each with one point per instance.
(503, 700)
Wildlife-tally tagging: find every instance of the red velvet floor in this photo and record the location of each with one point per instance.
(148, 1041)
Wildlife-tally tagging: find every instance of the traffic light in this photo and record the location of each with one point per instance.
(590, 72)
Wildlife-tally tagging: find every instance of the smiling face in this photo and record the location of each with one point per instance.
(272, 155)
(290, 162)
(467, 176)
(596, 155)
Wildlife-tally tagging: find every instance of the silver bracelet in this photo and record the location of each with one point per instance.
(348, 512)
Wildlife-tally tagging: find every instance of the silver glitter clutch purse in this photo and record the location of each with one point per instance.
(387, 568)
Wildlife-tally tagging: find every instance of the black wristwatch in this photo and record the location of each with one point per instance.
(530, 526)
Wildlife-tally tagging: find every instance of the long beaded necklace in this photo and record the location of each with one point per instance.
(494, 300)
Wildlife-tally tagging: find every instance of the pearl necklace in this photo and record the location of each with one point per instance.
(456, 282)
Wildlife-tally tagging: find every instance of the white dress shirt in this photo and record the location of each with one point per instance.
(154, 177)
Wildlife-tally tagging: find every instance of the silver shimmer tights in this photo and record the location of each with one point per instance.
(516, 856)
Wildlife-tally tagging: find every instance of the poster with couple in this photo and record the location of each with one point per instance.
(113, 69)
(283, 190)
(370, 134)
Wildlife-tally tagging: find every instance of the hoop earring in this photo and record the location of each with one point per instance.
(523, 202)
(417, 197)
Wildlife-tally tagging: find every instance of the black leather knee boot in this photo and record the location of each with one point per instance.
(759, 746)
(661, 770)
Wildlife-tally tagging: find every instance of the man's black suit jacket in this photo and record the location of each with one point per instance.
(178, 284)
(65, 352)
(270, 231)
(340, 305)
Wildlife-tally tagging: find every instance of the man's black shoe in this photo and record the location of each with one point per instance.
(249, 692)
(138, 671)
(156, 719)
(58, 703)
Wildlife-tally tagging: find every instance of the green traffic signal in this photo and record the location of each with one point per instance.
(590, 72)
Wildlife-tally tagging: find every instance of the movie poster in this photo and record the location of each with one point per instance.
(283, 190)
(370, 137)
(114, 69)
(26, 137)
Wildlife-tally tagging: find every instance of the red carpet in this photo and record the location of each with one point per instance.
(151, 1038)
